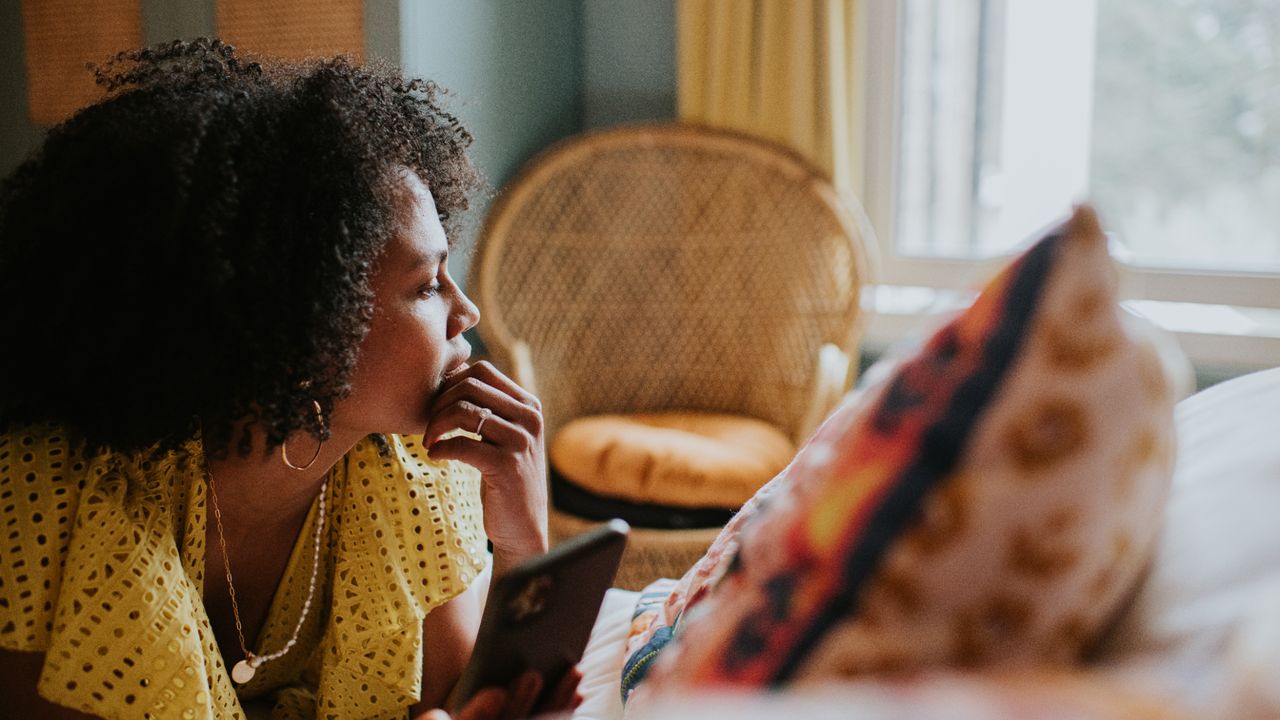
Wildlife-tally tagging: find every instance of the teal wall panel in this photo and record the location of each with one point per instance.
(629, 61)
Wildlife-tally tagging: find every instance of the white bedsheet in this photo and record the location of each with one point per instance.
(601, 664)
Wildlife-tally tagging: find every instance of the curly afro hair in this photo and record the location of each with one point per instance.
(196, 249)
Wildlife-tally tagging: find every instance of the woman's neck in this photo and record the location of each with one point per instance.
(257, 489)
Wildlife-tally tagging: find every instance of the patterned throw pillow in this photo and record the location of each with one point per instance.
(990, 502)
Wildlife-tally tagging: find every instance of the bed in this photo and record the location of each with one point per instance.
(1200, 637)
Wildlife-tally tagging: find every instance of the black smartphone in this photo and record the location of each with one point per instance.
(539, 615)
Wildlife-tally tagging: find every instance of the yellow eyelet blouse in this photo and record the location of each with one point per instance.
(102, 568)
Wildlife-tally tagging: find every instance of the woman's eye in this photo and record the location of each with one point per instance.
(431, 290)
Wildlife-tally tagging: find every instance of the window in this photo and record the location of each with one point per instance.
(989, 118)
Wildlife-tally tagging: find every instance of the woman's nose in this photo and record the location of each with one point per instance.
(465, 315)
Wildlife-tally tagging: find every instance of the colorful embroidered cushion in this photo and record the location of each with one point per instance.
(682, 459)
(989, 503)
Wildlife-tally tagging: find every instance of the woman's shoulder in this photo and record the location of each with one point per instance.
(392, 463)
(47, 469)
(396, 472)
(58, 494)
(43, 469)
(97, 574)
(412, 507)
(42, 474)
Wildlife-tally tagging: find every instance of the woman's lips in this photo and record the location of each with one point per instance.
(452, 370)
(457, 367)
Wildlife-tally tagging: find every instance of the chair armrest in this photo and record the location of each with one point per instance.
(522, 366)
(829, 385)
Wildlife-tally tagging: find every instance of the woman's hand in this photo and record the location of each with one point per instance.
(509, 455)
(518, 701)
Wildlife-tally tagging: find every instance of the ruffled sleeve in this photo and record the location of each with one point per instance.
(92, 577)
(41, 476)
(37, 510)
(409, 537)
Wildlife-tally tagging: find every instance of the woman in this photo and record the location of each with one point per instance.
(228, 475)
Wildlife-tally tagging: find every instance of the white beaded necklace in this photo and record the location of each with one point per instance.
(244, 670)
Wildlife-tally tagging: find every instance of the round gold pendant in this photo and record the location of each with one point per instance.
(242, 672)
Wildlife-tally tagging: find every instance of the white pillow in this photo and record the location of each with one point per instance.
(1219, 554)
(1253, 666)
(933, 695)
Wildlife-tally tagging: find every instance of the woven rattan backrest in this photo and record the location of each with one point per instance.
(669, 267)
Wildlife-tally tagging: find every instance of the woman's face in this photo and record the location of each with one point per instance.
(415, 337)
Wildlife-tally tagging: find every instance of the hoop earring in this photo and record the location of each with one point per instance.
(284, 449)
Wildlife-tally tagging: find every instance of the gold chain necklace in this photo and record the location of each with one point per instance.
(244, 670)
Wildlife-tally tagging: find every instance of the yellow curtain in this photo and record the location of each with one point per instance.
(781, 69)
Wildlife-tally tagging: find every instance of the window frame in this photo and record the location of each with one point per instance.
(880, 57)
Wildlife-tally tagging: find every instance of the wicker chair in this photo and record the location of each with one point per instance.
(661, 267)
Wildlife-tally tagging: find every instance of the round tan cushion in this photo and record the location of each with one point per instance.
(683, 459)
